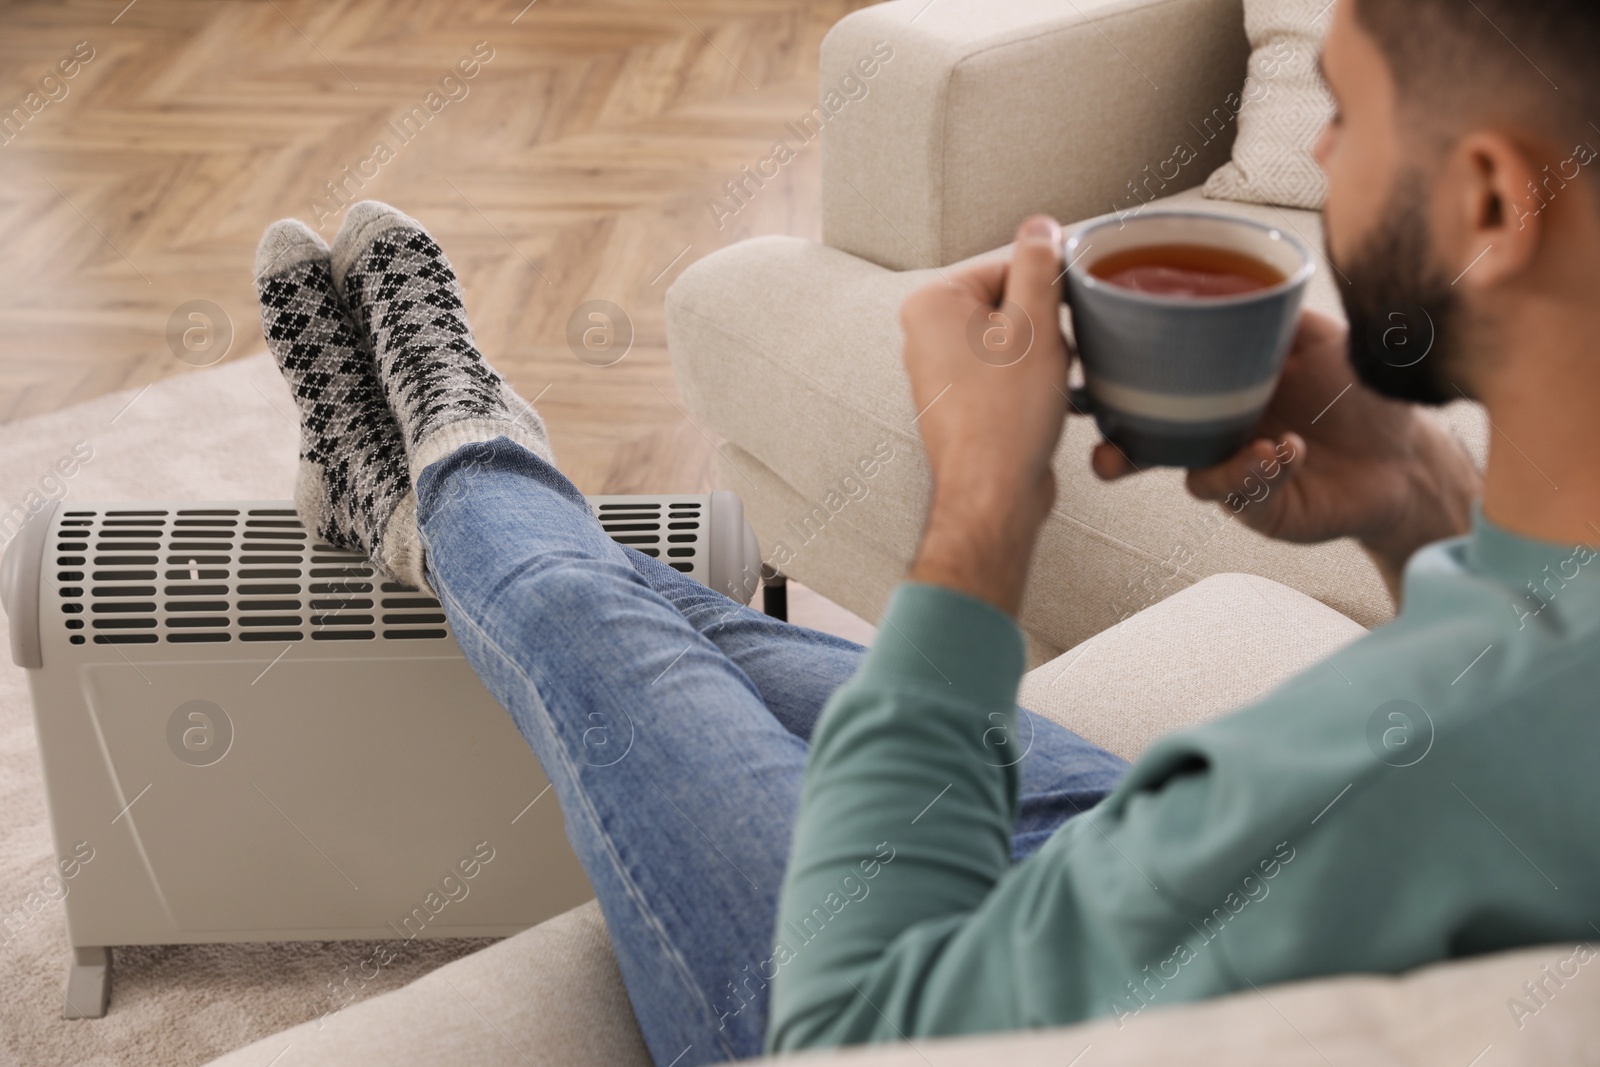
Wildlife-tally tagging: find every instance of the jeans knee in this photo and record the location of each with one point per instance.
(573, 587)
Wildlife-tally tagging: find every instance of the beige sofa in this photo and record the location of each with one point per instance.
(988, 111)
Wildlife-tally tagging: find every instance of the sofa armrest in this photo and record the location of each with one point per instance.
(986, 112)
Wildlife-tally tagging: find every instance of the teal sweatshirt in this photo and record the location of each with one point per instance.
(1428, 791)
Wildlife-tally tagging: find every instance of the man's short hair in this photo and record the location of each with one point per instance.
(1534, 65)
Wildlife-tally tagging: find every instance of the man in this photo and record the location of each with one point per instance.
(947, 862)
(1274, 844)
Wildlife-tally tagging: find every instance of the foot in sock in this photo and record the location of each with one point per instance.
(352, 489)
(403, 295)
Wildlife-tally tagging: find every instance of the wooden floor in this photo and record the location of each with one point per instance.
(578, 163)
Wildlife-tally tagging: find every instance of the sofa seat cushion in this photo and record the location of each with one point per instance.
(791, 351)
(1202, 652)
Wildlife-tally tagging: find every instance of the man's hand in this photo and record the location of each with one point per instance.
(1338, 460)
(988, 369)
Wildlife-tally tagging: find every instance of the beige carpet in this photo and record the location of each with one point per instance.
(228, 432)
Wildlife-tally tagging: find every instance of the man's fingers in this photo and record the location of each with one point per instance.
(955, 293)
(1030, 280)
(1318, 328)
(1229, 476)
(1109, 463)
(1033, 282)
(987, 279)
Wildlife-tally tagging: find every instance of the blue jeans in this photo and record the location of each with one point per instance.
(672, 723)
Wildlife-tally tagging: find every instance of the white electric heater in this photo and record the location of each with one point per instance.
(252, 737)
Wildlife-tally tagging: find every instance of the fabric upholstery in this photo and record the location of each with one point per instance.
(1200, 653)
(1284, 107)
(549, 996)
(814, 333)
(552, 995)
(982, 117)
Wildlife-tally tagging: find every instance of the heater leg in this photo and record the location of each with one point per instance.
(88, 983)
(774, 593)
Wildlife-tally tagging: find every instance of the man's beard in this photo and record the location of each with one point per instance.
(1404, 315)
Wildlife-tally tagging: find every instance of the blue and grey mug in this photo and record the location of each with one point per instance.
(1181, 380)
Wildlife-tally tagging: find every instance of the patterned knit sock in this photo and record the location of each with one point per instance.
(352, 489)
(406, 300)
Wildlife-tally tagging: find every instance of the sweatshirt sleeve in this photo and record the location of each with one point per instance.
(905, 820)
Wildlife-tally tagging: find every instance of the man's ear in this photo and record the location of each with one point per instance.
(1493, 211)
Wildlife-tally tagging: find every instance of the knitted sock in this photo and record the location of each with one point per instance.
(406, 300)
(352, 489)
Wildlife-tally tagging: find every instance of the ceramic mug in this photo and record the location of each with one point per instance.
(1181, 380)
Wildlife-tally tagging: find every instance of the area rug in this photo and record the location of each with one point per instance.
(228, 432)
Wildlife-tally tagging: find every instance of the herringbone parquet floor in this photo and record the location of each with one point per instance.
(561, 150)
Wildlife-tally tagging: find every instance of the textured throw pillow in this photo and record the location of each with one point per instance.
(1282, 108)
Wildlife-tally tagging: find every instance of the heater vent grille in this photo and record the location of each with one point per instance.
(671, 531)
(215, 575)
(242, 572)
